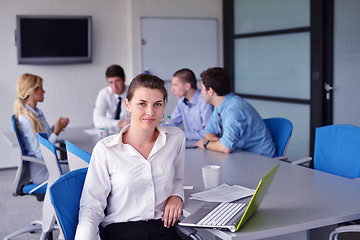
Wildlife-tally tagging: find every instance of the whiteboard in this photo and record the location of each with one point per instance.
(169, 44)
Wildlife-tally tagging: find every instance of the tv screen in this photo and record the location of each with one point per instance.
(53, 39)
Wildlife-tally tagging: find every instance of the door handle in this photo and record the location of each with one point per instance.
(328, 88)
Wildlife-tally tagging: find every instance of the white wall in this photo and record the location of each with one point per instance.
(346, 62)
(71, 89)
(171, 8)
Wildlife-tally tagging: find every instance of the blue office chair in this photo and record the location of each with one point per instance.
(65, 194)
(280, 129)
(23, 185)
(77, 157)
(337, 150)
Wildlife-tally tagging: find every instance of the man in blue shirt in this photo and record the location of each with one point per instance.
(234, 122)
(191, 108)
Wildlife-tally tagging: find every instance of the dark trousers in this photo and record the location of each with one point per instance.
(140, 230)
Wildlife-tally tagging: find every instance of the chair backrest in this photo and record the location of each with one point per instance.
(65, 194)
(337, 150)
(281, 130)
(77, 157)
(22, 182)
(48, 151)
(13, 120)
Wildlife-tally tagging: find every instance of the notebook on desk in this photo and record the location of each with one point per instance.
(191, 144)
(230, 216)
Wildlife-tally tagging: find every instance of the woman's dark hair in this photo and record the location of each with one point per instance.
(218, 79)
(146, 81)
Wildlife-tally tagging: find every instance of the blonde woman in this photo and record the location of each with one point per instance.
(137, 175)
(31, 120)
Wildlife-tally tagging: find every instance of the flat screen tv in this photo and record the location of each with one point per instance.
(44, 39)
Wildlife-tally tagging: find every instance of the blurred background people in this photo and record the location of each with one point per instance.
(109, 110)
(31, 120)
(234, 124)
(191, 108)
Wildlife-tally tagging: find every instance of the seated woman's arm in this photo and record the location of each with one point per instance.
(93, 199)
(174, 204)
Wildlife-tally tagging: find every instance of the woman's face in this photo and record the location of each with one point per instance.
(38, 94)
(146, 107)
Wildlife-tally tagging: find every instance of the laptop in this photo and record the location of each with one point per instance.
(230, 216)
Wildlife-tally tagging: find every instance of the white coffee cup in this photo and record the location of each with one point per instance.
(103, 132)
(211, 176)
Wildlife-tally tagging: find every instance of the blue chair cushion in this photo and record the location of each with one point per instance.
(27, 188)
(337, 150)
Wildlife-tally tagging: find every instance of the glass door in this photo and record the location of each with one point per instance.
(269, 52)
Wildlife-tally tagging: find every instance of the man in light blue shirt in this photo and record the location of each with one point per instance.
(234, 124)
(191, 108)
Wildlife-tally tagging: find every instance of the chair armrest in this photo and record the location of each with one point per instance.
(32, 159)
(61, 149)
(63, 161)
(282, 158)
(188, 231)
(302, 161)
(349, 228)
(36, 188)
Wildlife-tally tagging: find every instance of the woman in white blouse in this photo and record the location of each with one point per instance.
(136, 175)
(31, 120)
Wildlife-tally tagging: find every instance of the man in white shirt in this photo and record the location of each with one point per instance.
(109, 110)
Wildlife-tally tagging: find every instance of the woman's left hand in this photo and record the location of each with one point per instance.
(173, 210)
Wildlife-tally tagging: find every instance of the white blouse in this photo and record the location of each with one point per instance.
(131, 187)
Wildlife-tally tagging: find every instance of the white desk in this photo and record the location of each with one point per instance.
(299, 198)
(76, 135)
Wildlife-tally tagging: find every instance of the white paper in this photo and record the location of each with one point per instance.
(92, 131)
(223, 193)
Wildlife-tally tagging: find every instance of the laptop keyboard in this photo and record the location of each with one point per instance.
(220, 215)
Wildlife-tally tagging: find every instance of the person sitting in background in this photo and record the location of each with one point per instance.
(109, 110)
(191, 108)
(31, 120)
(234, 122)
(136, 175)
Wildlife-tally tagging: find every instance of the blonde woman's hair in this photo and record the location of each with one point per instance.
(26, 84)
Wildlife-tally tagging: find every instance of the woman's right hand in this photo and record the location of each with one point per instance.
(60, 124)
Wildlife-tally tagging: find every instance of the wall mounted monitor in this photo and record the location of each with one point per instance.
(46, 39)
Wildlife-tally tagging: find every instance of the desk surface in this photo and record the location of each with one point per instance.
(299, 198)
(76, 135)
